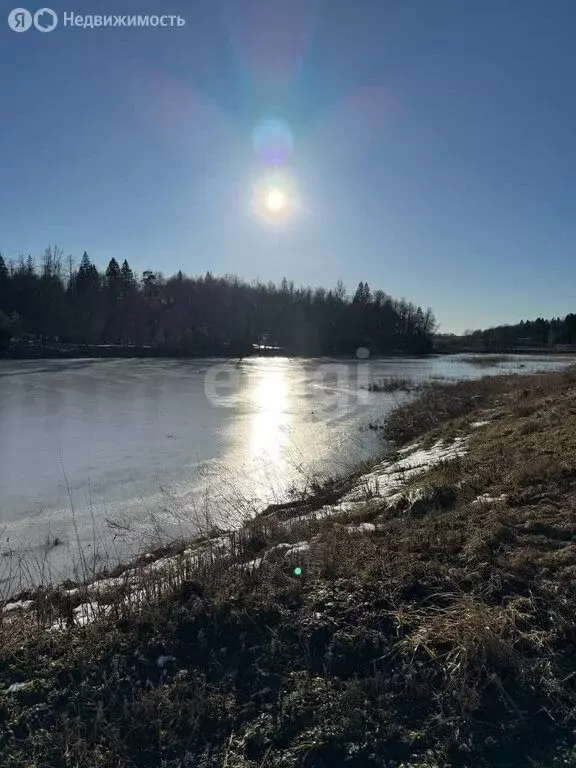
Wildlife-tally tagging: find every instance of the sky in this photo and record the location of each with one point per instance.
(431, 146)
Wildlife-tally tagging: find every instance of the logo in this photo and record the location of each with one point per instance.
(20, 20)
(45, 20)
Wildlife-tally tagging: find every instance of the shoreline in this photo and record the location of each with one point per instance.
(111, 351)
(418, 614)
(133, 352)
(559, 349)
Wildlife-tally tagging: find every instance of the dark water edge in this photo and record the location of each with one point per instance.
(74, 351)
(486, 349)
(58, 351)
(107, 351)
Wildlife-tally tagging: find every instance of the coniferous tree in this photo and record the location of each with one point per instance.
(206, 314)
(4, 284)
(113, 277)
(127, 279)
(4, 274)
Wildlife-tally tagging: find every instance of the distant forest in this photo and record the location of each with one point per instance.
(56, 302)
(530, 333)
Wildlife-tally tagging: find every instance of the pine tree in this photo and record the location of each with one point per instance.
(4, 275)
(88, 278)
(113, 277)
(4, 283)
(127, 279)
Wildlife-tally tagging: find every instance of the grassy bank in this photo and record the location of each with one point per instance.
(486, 361)
(431, 626)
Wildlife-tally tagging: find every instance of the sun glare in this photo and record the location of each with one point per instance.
(274, 196)
(276, 200)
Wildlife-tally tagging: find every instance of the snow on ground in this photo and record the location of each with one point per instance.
(485, 498)
(384, 482)
(18, 605)
(390, 476)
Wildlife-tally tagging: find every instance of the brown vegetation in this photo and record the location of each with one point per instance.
(392, 384)
(487, 361)
(443, 635)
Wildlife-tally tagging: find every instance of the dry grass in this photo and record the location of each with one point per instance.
(447, 405)
(445, 637)
(392, 384)
(487, 361)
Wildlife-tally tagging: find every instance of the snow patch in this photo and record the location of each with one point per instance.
(389, 477)
(18, 605)
(361, 528)
(485, 498)
(15, 687)
(385, 482)
(296, 549)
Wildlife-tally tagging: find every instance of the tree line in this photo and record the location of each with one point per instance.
(55, 301)
(529, 333)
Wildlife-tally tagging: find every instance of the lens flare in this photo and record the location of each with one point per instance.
(270, 39)
(272, 141)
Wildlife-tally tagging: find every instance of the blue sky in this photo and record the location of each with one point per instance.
(434, 151)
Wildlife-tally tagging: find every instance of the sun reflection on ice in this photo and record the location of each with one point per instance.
(270, 421)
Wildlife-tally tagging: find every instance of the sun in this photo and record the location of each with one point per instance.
(276, 200)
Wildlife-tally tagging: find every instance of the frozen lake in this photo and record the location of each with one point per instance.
(102, 456)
